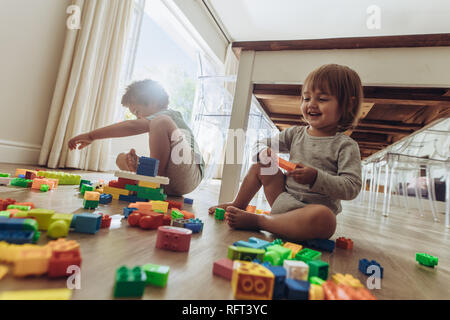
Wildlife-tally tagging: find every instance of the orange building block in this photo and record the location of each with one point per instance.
(286, 165)
(62, 245)
(33, 261)
(143, 207)
(252, 281)
(38, 182)
(187, 214)
(251, 209)
(294, 248)
(91, 196)
(344, 243)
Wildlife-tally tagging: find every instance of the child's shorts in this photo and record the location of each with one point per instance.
(184, 177)
(286, 202)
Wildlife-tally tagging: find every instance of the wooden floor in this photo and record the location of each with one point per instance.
(391, 241)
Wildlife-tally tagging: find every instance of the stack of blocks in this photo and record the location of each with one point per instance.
(91, 199)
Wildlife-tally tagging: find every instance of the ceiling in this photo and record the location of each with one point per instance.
(256, 20)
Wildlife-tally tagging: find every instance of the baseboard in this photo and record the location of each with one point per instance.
(19, 152)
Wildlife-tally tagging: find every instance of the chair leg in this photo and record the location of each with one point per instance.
(431, 193)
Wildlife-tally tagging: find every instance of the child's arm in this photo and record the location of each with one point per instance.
(117, 130)
(281, 142)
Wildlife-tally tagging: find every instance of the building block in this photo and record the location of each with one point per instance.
(219, 214)
(279, 281)
(27, 204)
(252, 281)
(5, 203)
(66, 217)
(188, 201)
(344, 243)
(173, 238)
(82, 181)
(223, 268)
(106, 221)
(148, 166)
(90, 204)
(30, 175)
(18, 182)
(21, 208)
(253, 242)
(92, 196)
(121, 183)
(63, 245)
(144, 207)
(160, 205)
(156, 275)
(321, 244)
(42, 216)
(295, 248)
(134, 176)
(4, 175)
(44, 187)
(3, 271)
(286, 165)
(175, 214)
(318, 268)
(128, 211)
(316, 292)
(47, 294)
(179, 222)
(245, 254)
(129, 283)
(187, 214)
(364, 264)
(5, 214)
(150, 221)
(296, 289)
(296, 269)
(426, 260)
(105, 198)
(61, 260)
(17, 236)
(308, 255)
(347, 279)
(62, 177)
(316, 280)
(333, 291)
(58, 229)
(87, 187)
(276, 254)
(88, 223)
(4, 181)
(251, 209)
(175, 204)
(36, 183)
(115, 191)
(167, 220)
(122, 197)
(195, 225)
(32, 262)
(151, 185)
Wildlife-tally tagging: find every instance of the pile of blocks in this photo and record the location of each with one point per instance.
(31, 179)
(62, 177)
(259, 270)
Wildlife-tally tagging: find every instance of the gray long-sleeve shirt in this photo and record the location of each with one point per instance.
(336, 158)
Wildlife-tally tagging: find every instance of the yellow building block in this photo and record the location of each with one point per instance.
(32, 261)
(347, 279)
(251, 281)
(10, 252)
(316, 292)
(116, 191)
(160, 205)
(91, 195)
(42, 216)
(21, 214)
(3, 271)
(294, 248)
(47, 294)
(146, 184)
(259, 211)
(66, 217)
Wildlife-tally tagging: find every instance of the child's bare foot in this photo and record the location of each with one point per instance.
(223, 206)
(132, 160)
(240, 219)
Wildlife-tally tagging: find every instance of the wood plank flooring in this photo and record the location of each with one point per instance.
(391, 241)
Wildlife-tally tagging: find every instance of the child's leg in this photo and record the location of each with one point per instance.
(313, 221)
(273, 186)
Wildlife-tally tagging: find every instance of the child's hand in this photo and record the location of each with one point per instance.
(303, 174)
(83, 140)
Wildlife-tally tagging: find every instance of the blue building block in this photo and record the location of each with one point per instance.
(105, 198)
(253, 242)
(364, 264)
(128, 211)
(188, 201)
(11, 224)
(196, 225)
(321, 244)
(148, 166)
(21, 176)
(279, 284)
(131, 198)
(296, 289)
(88, 223)
(17, 236)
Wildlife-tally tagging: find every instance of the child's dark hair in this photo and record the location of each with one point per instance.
(343, 83)
(144, 92)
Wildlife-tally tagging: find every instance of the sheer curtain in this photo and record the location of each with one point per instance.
(88, 80)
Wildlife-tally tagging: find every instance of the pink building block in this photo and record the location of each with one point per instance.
(38, 182)
(223, 268)
(173, 238)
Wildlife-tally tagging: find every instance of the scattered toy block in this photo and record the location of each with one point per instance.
(151, 185)
(279, 281)
(144, 207)
(175, 214)
(252, 281)
(5, 203)
(347, 279)
(150, 220)
(92, 196)
(21, 172)
(295, 248)
(219, 214)
(42, 216)
(364, 266)
(253, 242)
(318, 268)
(296, 289)
(223, 268)
(308, 255)
(28, 204)
(88, 223)
(316, 280)
(90, 204)
(24, 183)
(4, 175)
(63, 245)
(250, 209)
(245, 254)
(286, 165)
(134, 176)
(321, 244)
(128, 211)
(188, 201)
(47, 294)
(160, 205)
(195, 225)
(175, 204)
(32, 262)
(5, 181)
(105, 198)
(187, 214)
(16, 206)
(344, 243)
(3, 271)
(179, 223)
(426, 260)
(296, 269)
(173, 238)
(87, 187)
(60, 262)
(276, 254)
(129, 283)
(148, 166)
(106, 221)
(58, 229)
(316, 292)
(17, 236)
(156, 275)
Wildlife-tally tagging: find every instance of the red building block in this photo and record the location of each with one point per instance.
(173, 238)
(167, 220)
(121, 182)
(30, 204)
(5, 203)
(30, 175)
(344, 243)
(106, 221)
(223, 268)
(175, 204)
(114, 184)
(61, 260)
(151, 221)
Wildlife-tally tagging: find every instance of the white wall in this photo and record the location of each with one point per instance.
(32, 36)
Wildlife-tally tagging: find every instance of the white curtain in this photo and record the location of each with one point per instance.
(85, 96)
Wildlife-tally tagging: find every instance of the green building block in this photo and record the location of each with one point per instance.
(276, 254)
(21, 208)
(176, 214)
(277, 241)
(426, 259)
(42, 216)
(159, 211)
(44, 187)
(86, 187)
(82, 181)
(63, 178)
(30, 225)
(219, 214)
(90, 204)
(316, 280)
(156, 275)
(21, 214)
(24, 183)
(5, 214)
(306, 255)
(130, 283)
(318, 268)
(4, 175)
(245, 254)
